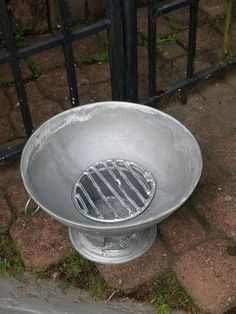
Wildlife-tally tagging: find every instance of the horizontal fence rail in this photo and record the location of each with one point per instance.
(121, 26)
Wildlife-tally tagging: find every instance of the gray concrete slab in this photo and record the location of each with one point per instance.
(28, 296)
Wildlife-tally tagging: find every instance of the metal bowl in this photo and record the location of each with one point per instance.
(65, 148)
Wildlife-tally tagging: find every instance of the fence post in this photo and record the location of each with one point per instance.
(130, 44)
(68, 53)
(192, 38)
(152, 9)
(116, 47)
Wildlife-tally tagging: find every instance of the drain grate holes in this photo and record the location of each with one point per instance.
(113, 190)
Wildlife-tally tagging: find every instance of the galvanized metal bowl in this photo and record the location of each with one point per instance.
(64, 148)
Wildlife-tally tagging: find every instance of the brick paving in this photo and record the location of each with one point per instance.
(41, 240)
(127, 277)
(209, 274)
(198, 241)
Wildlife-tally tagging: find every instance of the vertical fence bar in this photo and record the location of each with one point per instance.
(130, 43)
(68, 53)
(116, 49)
(193, 19)
(15, 67)
(152, 9)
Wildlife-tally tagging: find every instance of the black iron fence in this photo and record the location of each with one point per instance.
(119, 23)
(121, 26)
(191, 77)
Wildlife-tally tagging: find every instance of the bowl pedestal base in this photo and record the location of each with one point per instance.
(112, 249)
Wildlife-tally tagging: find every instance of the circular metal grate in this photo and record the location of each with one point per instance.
(113, 191)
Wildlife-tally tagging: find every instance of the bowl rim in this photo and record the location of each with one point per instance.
(98, 226)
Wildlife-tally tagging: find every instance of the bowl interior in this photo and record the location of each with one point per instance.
(62, 148)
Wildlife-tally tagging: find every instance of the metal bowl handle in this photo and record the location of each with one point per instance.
(26, 208)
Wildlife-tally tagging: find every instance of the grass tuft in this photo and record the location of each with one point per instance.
(171, 295)
(10, 263)
(32, 66)
(79, 272)
(4, 267)
(3, 81)
(98, 288)
(19, 34)
(31, 210)
(104, 57)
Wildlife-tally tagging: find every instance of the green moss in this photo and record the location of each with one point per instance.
(171, 295)
(74, 267)
(16, 133)
(11, 262)
(202, 220)
(32, 66)
(176, 27)
(31, 210)
(171, 37)
(84, 274)
(4, 267)
(161, 40)
(104, 57)
(3, 82)
(98, 288)
(19, 33)
(79, 272)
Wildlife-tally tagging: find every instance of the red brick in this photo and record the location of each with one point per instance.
(219, 100)
(95, 8)
(32, 16)
(230, 78)
(170, 73)
(181, 64)
(85, 98)
(94, 74)
(171, 51)
(9, 173)
(207, 129)
(209, 45)
(217, 204)
(180, 16)
(6, 74)
(4, 105)
(208, 274)
(5, 131)
(77, 11)
(101, 92)
(223, 153)
(211, 173)
(127, 277)
(48, 60)
(41, 240)
(25, 70)
(5, 215)
(162, 26)
(90, 49)
(182, 230)
(214, 8)
(188, 115)
(15, 119)
(41, 108)
(17, 196)
(54, 85)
